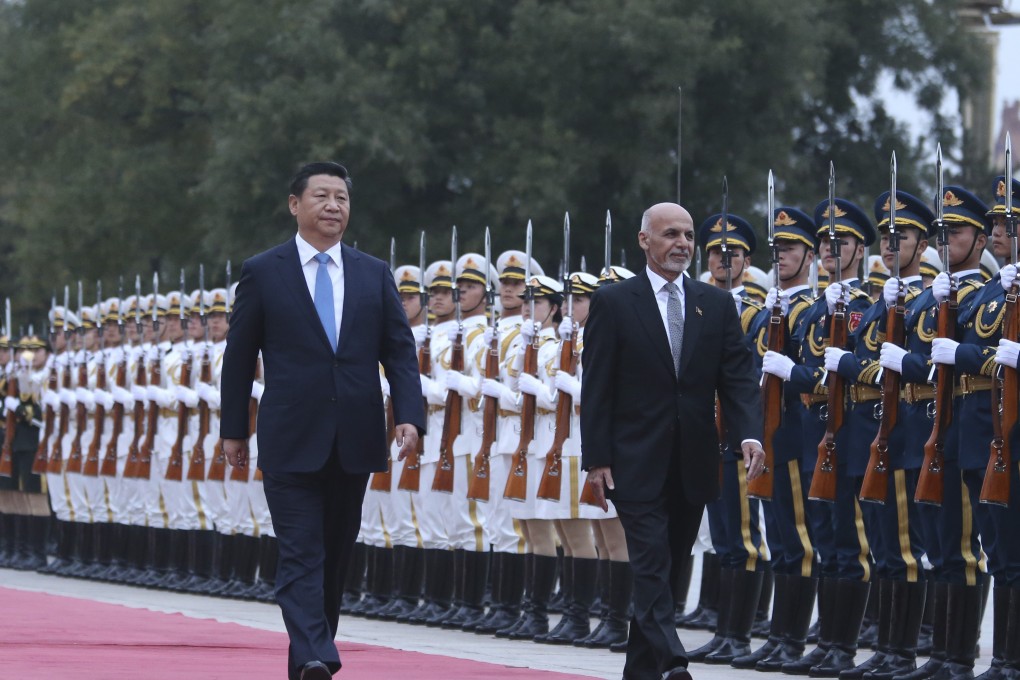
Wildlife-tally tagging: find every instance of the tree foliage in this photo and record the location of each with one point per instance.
(145, 134)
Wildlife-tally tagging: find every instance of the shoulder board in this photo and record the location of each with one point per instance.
(748, 314)
(797, 308)
(967, 287)
(757, 304)
(859, 293)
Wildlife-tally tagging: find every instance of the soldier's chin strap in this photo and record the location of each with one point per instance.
(970, 251)
(917, 251)
(800, 268)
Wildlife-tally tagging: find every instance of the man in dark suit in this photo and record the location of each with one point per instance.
(324, 317)
(658, 349)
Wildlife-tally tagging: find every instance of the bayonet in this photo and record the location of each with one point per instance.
(99, 316)
(53, 308)
(529, 289)
(7, 321)
(773, 246)
(490, 291)
(726, 254)
(155, 305)
(1011, 230)
(453, 282)
(229, 306)
(201, 302)
(138, 304)
(424, 292)
(183, 295)
(393, 254)
(81, 311)
(835, 247)
(566, 265)
(67, 310)
(607, 271)
(120, 307)
(584, 265)
(894, 233)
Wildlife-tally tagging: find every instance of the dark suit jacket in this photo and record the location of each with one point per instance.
(315, 399)
(635, 408)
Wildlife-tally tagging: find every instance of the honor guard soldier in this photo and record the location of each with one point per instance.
(733, 517)
(837, 536)
(890, 516)
(948, 533)
(791, 552)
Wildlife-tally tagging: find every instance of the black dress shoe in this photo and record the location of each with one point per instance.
(679, 673)
(315, 670)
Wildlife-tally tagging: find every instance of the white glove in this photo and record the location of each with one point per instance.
(487, 335)
(529, 384)
(153, 353)
(1007, 353)
(940, 287)
(11, 403)
(566, 327)
(138, 393)
(890, 291)
(1007, 275)
(891, 357)
(257, 390)
(451, 334)
(777, 364)
(419, 335)
(202, 390)
(52, 399)
(458, 382)
(943, 351)
(833, 355)
(384, 385)
(115, 355)
(103, 398)
(497, 390)
(568, 384)
(212, 397)
(67, 397)
(529, 330)
(84, 396)
(433, 391)
(833, 292)
(61, 360)
(186, 396)
(783, 296)
(159, 395)
(122, 396)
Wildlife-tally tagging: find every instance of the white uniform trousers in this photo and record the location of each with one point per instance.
(462, 518)
(372, 531)
(501, 530)
(257, 493)
(398, 513)
(182, 501)
(429, 507)
(59, 493)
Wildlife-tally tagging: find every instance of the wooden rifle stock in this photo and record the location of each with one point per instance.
(131, 469)
(443, 481)
(410, 475)
(995, 488)
(478, 488)
(550, 484)
(237, 473)
(109, 467)
(10, 423)
(823, 483)
(151, 424)
(175, 466)
(516, 488)
(80, 418)
(56, 461)
(41, 461)
(382, 481)
(875, 487)
(91, 466)
(772, 406)
(196, 466)
(931, 480)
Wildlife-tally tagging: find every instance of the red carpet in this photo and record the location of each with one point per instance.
(49, 636)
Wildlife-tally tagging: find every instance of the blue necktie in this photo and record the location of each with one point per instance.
(324, 299)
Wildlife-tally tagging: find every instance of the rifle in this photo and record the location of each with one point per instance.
(144, 469)
(875, 487)
(772, 385)
(930, 481)
(549, 486)
(40, 462)
(587, 494)
(478, 488)
(196, 466)
(995, 488)
(91, 466)
(516, 488)
(74, 458)
(109, 468)
(56, 459)
(410, 475)
(823, 483)
(383, 481)
(11, 417)
(138, 414)
(453, 413)
(218, 467)
(175, 466)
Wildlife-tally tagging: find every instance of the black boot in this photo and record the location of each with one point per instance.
(603, 585)
(157, 551)
(180, 548)
(745, 597)
(725, 585)
(613, 629)
(826, 623)
(354, 579)
(927, 619)
(509, 593)
(963, 618)
(705, 615)
(796, 619)
(576, 624)
(536, 618)
(778, 627)
(565, 592)
(38, 534)
(682, 586)
(882, 593)
(246, 563)
(438, 586)
(939, 633)
(1000, 622)
(491, 597)
(7, 551)
(373, 573)
(762, 626)
(476, 576)
(869, 628)
(269, 555)
(907, 608)
(455, 589)
(118, 545)
(851, 602)
(198, 541)
(525, 600)
(1011, 648)
(408, 572)
(381, 585)
(20, 554)
(65, 542)
(218, 565)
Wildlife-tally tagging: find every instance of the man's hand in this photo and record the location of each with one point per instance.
(601, 478)
(754, 459)
(406, 436)
(236, 451)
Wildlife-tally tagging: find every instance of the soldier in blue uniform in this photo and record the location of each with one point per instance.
(892, 526)
(787, 532)
(733, 517)
(837, 528)
(948, 532)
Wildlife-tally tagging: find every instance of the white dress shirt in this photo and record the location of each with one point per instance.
(662, 296)
(335, 267)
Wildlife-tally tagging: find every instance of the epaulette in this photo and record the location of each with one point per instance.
(751, 309)
(796, 308)
(967, 287)
(857, 293)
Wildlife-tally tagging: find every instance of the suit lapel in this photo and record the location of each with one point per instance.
(352, 294)
(692, 312)
(294, 279)
(648, 312)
